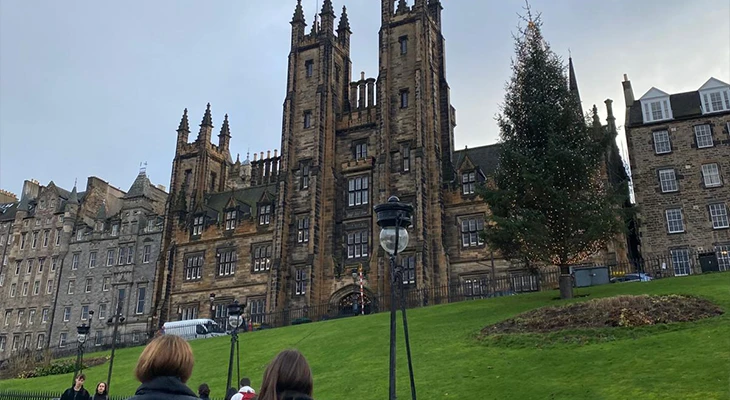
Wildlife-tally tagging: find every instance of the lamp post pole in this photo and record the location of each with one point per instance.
(82, 331)
(212, 307)
(362, 292)
(234, 319)
(115, 319)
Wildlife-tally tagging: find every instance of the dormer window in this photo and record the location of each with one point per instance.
(198, 225)
(264, 214)
(115, 229)
(230, 220)
(656, 106)
(715, 96)
(468, 179)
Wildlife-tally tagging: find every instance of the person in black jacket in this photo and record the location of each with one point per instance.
(163, 368)
(101, 392)
(77, 391)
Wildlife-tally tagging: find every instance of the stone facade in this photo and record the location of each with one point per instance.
(680, 160)
(286, 231)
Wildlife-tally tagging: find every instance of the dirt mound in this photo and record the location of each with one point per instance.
(620, 311)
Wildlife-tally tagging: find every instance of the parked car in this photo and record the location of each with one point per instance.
(634, 277)
(193, 328)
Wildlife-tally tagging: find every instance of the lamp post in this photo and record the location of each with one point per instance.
(82, 332)
(234, 319)
(212, 308)
(393, 218)
(115, 319)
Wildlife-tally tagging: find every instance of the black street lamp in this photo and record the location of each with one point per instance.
(393, 218)
(212, 308)
(115, 319)
(82, 331)
(234, 319)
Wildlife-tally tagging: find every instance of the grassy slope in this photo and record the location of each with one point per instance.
(350, 356)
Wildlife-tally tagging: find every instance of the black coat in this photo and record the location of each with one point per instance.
(294, 396)
(71, 394)
(164, 388)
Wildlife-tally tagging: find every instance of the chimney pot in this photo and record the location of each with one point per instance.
(268, 153)
(626, 77)
(276, 152)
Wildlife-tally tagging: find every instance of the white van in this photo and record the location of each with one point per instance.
(193, 329)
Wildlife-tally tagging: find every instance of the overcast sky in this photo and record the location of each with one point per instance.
(95, 88)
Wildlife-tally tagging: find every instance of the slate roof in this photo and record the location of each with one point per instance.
(485, 157)
(7, 211)
(684, 106)
(247, 198)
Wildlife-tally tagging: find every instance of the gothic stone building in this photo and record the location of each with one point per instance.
(285, 231)
(679, 145)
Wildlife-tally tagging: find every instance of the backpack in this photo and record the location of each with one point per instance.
(247, 395)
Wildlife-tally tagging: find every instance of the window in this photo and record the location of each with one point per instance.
(213, 180)
(703, 136)
(41, 340)
(475, 286)
(71, 287)
(98, 338)
(358, 192)
(141, 293)
(193, 267)
(106, 283)
(409, 270)
(304, 175)
(46, 234)
(357, 244)
(62, 339)
(2, 279)
(662, 144)
(189, 312)
(34, 241)
(102, 311)
(257, 308)
(89, 282)
(668, 180)
(656, 110)
(716, 101)
(75, 261)
(115, 229)
(36, 288)
(3, 341)
(54, 263)
(471, 229)
(92, 259)
(110, 257)
(303, 229)
(84, 313)
(404, 98)
(675, 222)
(58, 237)
(307, 119)
(130, 255)
(361, 150)
(198, 225)
(122, 256)
(711, 175)
(21, 314)
(22, 240)
(66, 314)
(25, 288)
(146, 253)
(226, 262)
(188, 176)
(17, 267)
(681, 262)
(29, 266)
(264, 214)
(468, 179)
(718, 215)
(31, 316)
(79, 234)
(230, 220)
(44, 316)
(301, 282)
(403, 41)
(16, 339)
(220, 311)
(405, 152)
(723, 257)
(262, 258)
(41, 261)
(121, 296)
(309, 68)
(12, 290)
(8, 314)
(26, 341)
(49, 286)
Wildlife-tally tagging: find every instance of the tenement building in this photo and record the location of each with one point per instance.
(285, 231)
(679, 145)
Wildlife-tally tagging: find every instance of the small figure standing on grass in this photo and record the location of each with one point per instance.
(77, 391)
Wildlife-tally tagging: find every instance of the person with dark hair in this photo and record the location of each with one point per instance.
(204, 391)
(101, 392)
(287, 377)
(163, 368)
(246, 392)
(77, 391)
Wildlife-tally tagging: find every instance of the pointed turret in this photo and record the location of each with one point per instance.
(572, 81)
(207, 118)
(206, 127)
(73, 198)
(183, 130)
(343, 28)
(402, 7)
(315, 25)
(328, 18)
(298, 14)
(297, 24)
(610, 118)
(224, 138)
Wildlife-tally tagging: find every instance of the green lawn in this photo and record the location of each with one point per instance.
(349, 357)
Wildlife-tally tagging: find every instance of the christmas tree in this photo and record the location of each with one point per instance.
(549, 203)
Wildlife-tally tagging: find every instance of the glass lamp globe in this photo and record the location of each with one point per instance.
(82, 338)
(234, 321)
(387, 239)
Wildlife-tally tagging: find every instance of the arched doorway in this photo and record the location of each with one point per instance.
(349, 302)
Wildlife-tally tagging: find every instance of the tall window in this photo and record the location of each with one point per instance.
(115, 229)
(409, 270)
(31, 316)
(102, 311)
(358, 191)
(84, 313)
(307, 119)
(357, 244)
(87, 287)
(36, 288)
(17, 267)
(309, 68)
(3, 341)
(230, 220)
(54, 263)
(41, 261)
(110, 257)
(98, 338)
(301, 281)
(44, 315)
(193, 267)
(662, 144)
(12, 289)
(21, 314)
(25, 288)
(141, 293)
(130, 255)
(34, 241)
(29, 266)
(675, 221)
(681, 262)
(303, 229)
(122, 256)
(213, 181)
(49, 286)
(75, 261)
(226, 262)
(189, 312)
(404, 98)
(723, 257)
(79, 234)
(71, 285)
(703, 136)
(470, 231)
(66, 314)
(468, 180)
(668, 180)
(198, 225)
(58, 237)
(711, 175)
(403, 41)
(361, 150)
(146, 253)
(23, 237)
(46, 234)
(262, 258)
(106, 283)
(257, 307)
(8, 314)
(92, 259)
(264, 214)
(41, 341)
(304, 175)
(405, 152)
(62, 339)
(718, 215)
(121, 297)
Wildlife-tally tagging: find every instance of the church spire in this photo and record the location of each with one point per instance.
(298, 14)
(207, 118)
(184, 125)
(572, 81)
(344, 24)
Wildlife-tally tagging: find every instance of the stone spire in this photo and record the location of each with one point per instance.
(402, 7)
(344, 25)
(225, 129)
(184, 125)
(298, 14)
(224, 138)
(327, 8)
(73, 198)
(572, 81)
(207, 118)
